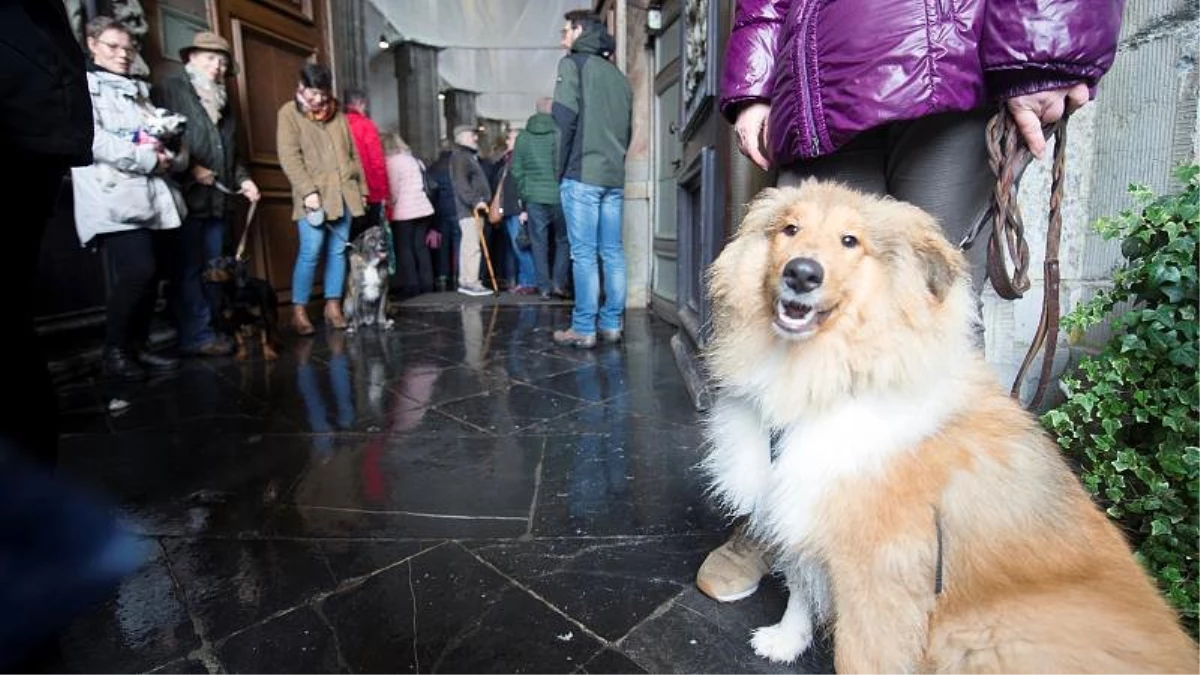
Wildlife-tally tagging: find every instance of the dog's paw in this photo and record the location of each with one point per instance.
(780, 643)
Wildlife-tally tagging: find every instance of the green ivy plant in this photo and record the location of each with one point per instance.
(1130, 418)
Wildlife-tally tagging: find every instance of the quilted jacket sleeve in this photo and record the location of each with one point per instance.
(1035, 45)
(750, 53)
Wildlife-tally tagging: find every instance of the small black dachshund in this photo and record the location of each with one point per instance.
(244, 306)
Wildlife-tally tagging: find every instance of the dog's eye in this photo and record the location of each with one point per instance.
(849, 240)
(790, 230)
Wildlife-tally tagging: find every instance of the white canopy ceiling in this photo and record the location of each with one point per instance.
(506, 50)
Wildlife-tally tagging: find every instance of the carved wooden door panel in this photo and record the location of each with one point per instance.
(701, 194)
(272, 40)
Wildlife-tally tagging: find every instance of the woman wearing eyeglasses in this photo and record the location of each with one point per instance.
(318, 155)
(122, 201)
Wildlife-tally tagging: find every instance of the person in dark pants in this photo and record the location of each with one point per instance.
(534, 168)
(122, 200)
(370, 154)
(198, 92)
(518, 261)
(411, 214)
(46, 531)
(903, 117)
(445, 221)
(45, 128)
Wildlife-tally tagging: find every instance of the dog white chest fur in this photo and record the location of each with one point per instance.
(372, 282)
(855, 437)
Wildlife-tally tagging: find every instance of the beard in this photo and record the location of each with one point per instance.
(212, 94)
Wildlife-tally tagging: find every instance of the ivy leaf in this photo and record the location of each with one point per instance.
(1132, 410)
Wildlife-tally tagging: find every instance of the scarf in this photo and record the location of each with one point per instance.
(213, 95)
(320, 113)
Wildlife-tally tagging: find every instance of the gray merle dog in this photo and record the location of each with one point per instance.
(365, 303)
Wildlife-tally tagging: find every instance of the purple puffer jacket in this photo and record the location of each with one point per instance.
(831, 69)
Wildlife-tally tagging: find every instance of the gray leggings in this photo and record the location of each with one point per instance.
(938, 163)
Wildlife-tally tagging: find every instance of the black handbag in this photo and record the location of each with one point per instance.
(523, 240)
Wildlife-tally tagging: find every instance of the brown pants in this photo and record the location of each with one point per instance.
(939, 163)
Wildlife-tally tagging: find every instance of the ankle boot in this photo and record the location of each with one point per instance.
(333, 314)
(300, 322)
(121, 364)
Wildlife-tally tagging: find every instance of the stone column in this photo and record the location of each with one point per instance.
(460, 109)
(417, 79)
(347, 24)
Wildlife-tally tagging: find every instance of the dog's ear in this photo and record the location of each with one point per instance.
(760, 212)
(942, 263)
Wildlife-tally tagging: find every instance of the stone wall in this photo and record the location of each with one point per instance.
(1142, 124)
(638, 233)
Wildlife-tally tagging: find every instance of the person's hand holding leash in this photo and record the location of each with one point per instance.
(1031, 111)
(250, 190)
(312, 202)
(751, 128)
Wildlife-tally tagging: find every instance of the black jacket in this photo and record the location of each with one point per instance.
(210, 145)
(470, 182)
(446, 203)
(511, 197)
(45, 108)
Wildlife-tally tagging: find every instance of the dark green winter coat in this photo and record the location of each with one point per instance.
(593, 107)
(211, 146)
(535, 158)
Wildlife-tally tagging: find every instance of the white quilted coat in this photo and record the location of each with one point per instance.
(119, 191)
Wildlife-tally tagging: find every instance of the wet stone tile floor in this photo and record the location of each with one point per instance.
(457, 495)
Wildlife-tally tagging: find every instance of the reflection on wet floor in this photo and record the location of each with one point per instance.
(455, 495)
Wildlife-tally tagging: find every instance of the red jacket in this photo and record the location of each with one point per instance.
(370, 151)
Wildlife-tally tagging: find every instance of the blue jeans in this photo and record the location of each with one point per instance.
(546, 220)
(524, 274)
(594, 229)
(199, 240)
(334, 236)
(317, 408)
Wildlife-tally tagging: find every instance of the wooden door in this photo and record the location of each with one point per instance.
(701, 185)
(664, 277)
(272, 40)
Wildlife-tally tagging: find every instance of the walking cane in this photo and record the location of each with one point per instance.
(487, 256)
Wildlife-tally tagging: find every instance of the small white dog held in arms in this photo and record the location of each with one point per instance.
(910, 502)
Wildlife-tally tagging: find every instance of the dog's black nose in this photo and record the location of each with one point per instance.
(803, 274)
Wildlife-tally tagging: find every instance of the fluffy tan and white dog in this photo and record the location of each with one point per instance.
(910, 502)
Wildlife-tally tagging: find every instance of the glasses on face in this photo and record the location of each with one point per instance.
(114, 47)
(314, 94)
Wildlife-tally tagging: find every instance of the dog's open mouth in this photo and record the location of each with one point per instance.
(797, 318)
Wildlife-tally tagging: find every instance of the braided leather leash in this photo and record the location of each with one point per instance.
(1009, 156)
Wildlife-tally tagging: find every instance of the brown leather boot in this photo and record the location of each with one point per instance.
(333, 314)
(300, 322)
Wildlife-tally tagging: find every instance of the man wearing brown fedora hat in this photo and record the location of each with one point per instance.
(199, 93)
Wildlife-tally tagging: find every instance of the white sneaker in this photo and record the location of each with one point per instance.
(475, 289)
